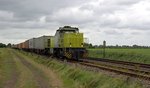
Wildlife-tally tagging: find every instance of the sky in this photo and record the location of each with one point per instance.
(122, 22)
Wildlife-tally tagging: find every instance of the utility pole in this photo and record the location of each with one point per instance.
(104, 46)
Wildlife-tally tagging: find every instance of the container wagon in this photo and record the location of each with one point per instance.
(40, 45)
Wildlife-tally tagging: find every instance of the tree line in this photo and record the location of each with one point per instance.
(94, 46)
(4, 45)
(115, 46)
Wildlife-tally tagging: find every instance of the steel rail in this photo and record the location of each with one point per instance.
(121, 62)
(137, 73)
(132, 74)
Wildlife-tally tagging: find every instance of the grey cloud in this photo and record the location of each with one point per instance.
(113, 32)
(109, 6)
(136, 33)
(133, 24)
(93, 17)
(72, 16)
(122, 2)
(31, 9)
(6, 16)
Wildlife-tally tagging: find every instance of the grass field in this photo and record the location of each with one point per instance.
(75, 77)
(135, 55)
(19, 69)
(8, 70)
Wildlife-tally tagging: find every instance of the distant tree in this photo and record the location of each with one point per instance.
(9, 45)
(125, 46)
(2, 45)
(135, 46)
(90, 45)
(100, 46)
(86, 45)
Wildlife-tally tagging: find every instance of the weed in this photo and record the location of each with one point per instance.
(75, 77)
(134, 55)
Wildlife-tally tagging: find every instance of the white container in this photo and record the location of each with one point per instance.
(32, 43)
(42, 42)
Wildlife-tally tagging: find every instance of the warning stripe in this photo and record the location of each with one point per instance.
(68, 55)
(85, 55)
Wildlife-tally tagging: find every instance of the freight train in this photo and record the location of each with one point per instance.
(67, 42)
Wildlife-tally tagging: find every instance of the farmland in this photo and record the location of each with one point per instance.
(17, 71)
(135, 55)
(20, 69)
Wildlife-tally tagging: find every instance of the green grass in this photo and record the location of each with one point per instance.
(25, 77)
(135, 55)
(13, 73)
(75, 77)
(7, 67)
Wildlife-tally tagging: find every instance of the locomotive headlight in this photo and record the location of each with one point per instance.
(81, 44)
(70, 44)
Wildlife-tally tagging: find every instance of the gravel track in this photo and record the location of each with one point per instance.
(45, 77)
(20, 71)
(10, 73)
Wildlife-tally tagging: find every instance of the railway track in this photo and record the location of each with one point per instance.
(132, 69)
(121, 62)
(136, 70)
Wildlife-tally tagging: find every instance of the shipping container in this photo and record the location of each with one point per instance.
(43, 42)
(17, 46)
(51, 42)
(23, 45)
(26, 44)
(20, 45)
(32, 43)
(56, 39)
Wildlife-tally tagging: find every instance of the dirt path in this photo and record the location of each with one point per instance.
(45, 78)
(38, 75)
(20, 71)
(9, 73)
(10, 83)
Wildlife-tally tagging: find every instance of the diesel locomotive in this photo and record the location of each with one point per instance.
(67, 42)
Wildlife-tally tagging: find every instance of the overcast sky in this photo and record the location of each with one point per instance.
(123, 22)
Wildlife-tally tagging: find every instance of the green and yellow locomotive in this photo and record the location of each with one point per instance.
(68, 43)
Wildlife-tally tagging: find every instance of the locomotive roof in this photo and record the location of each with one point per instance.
(68, 28)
